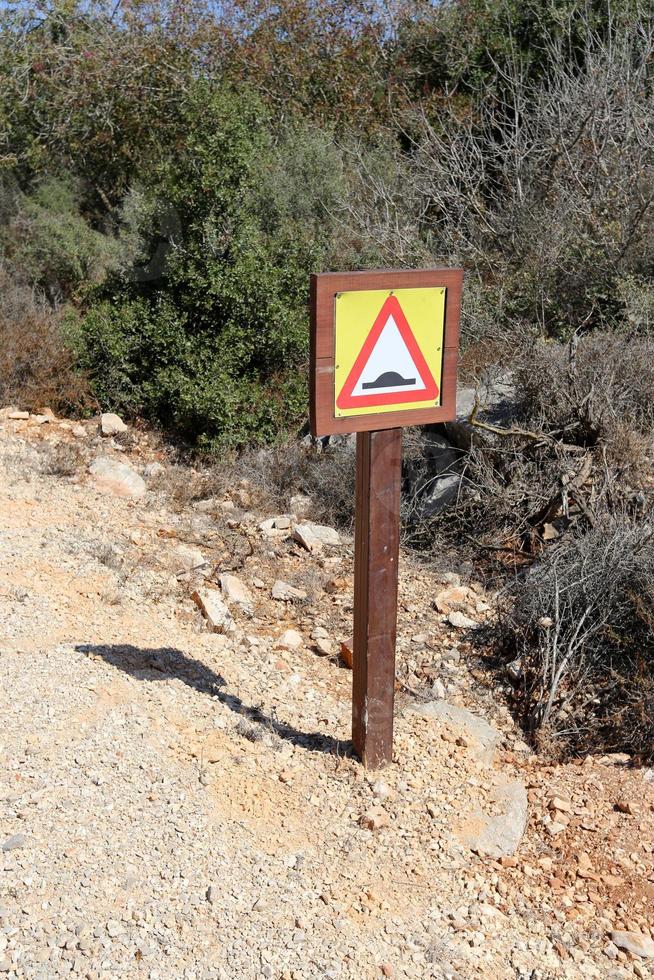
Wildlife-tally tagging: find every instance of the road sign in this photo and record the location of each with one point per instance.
(383, 349)
(389, 349)
(383, 355)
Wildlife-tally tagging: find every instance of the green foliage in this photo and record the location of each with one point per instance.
(143, 361)
(209, 335)
(175, 174)
(49, 244)
(462, 45)
(86, 93)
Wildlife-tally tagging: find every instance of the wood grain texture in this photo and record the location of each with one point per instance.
(324, 288)
(377, 540)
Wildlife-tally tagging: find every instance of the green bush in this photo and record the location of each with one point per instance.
(205, 328)
(47, 243)
(143, 362)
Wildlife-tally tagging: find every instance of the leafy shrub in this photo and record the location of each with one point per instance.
(213, 342)
(143, 362)
(102, 94)
(581, 625)
(48, 244)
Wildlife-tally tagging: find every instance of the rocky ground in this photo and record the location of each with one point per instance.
(178, 798)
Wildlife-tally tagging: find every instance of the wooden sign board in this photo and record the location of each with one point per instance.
(383, 355)
(383, 349)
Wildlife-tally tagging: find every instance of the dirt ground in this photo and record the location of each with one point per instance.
(181, 803)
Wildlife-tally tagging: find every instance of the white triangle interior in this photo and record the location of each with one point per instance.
(389, 355)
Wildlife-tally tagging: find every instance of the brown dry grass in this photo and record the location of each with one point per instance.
(37, 367)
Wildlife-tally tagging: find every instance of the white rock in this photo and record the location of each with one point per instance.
(290, 640)
(236, 591)
(214, 610)
(439, 688)
(498, 833)
(79, 432)
(634, 942)
(18, 416)
(111, 424)
(287, 593)
(189, 559)
(273, 526)
(461, 622)
(314, 537)
(482, 737)
(119, 478)
(153, 469)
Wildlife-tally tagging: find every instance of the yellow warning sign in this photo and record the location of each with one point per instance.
(389, 350)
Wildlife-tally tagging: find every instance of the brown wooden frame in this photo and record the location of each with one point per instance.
(324, 288)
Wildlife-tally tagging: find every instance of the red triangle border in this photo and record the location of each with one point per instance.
(345, 399)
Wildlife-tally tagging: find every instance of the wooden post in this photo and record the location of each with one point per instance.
(379, 470)
(370, 377)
